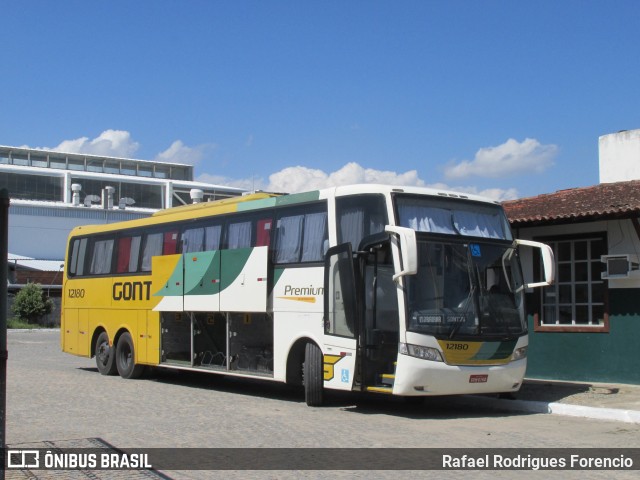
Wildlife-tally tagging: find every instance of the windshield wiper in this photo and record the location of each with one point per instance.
(468, 302)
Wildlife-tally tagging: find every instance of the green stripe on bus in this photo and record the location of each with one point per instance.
(256, 204)
(202, 273)
(495, 350)
(233, 261)
(298, 198)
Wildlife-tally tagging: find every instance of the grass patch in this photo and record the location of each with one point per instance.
(17, 323)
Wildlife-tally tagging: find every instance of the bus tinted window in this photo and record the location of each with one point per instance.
(78, 249)
(170, 245)
(152, 248)
(193, 240)
(128, 254)
(448, 217)
(360, 216)
(212, 237)
(301, 238)
(201, 238)
(101, 255)
(239, 235)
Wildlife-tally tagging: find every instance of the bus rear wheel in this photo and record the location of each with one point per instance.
(313, 378)
(125, 358)
(105, 355)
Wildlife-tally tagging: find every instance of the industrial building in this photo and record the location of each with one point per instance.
(52, 192)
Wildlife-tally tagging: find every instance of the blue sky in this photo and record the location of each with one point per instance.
(504, 98)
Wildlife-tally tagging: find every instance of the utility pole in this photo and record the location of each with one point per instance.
(4, 248)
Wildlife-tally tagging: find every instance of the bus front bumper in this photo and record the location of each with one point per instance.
(419, 377)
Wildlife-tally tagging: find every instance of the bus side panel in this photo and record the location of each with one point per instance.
(202, 281)
(84, 334)
(70, 331)
(79, 297)
(243, 285)
(149, 337)
(167, 283)
(297, 300)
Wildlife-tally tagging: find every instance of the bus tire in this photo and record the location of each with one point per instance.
(105, 355)
(313, 378)
(125, 358)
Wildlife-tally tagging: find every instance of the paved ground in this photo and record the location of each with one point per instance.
(54, 399)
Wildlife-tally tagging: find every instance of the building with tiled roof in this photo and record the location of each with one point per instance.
(585, 204)
(585, 326)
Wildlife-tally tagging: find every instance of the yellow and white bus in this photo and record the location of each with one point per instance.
(404, 291)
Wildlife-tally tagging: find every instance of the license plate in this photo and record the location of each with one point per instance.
(478, 378)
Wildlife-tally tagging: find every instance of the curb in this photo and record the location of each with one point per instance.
(566, 409)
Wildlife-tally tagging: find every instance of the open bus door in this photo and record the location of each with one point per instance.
(341, 318)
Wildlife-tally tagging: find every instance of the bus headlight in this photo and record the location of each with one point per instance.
(519, 354)
(426, 353)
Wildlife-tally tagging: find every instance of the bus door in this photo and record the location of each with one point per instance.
(381, 322)
(341, 319)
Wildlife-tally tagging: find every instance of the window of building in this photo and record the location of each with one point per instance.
(18, 159)
(32, 187)
(75, 164)
(578, 299)
(39, 161)
(94, 165)
(112, 166)
(57, 162)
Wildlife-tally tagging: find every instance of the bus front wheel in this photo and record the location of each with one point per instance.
(105, 355)
(313, 378)
(125, 358)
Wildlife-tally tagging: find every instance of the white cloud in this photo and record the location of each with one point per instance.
(178, 152)
(112, 143)
(248, 184)
(301, 179)
(510, 158)
(298, 179)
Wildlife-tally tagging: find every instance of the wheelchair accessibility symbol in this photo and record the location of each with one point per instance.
(344, 375)
(475, 250)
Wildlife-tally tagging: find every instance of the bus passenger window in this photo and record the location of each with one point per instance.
(315, 243)
(101, 257)
(192, 240)
(263, 233)
(128, 254)
(360, 216)
(301, 238)
(76, 267)
(170, 243)
(212, 237)
(152, 248)
(239, 235)
(288, 239)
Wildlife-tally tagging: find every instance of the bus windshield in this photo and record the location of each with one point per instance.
(452, 217)
(466, 290)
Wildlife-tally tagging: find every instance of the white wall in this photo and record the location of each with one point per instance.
(620, 156)
(41, 237)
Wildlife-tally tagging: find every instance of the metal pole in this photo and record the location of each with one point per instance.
(4, 248)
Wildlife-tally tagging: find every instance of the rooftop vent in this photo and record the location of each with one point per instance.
(196, 195)
(75, 196)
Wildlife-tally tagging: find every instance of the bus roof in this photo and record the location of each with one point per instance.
(261, 200)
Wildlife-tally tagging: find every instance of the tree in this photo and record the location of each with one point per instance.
(30, 304)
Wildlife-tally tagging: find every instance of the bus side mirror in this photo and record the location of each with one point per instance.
(548, 262)
(408, 250)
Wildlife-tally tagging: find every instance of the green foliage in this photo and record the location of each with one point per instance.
(30, 304)
(20, 324)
